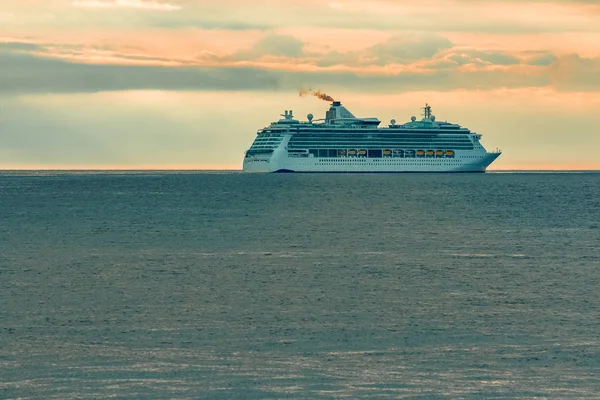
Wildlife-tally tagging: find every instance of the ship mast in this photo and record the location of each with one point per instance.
(426, 112)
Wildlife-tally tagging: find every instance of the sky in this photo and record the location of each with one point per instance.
(185, 84)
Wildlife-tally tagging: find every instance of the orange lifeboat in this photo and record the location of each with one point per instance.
(352, 152)
(439, 153)
(387, 152)
(429, 152)
(362, 152)
(420, 153)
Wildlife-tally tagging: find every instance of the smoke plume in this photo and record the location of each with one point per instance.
(316, 93)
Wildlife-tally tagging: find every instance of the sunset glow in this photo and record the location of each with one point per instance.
(185, 84)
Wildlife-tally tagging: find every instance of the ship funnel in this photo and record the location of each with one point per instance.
(338, 111)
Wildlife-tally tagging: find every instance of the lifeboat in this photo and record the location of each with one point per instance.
(387, 152)
(420, 153)
(351, 152)
(429, 153)
(342, 153)
(449, 152)
(398, 153)
(362, 152)
(439, 153)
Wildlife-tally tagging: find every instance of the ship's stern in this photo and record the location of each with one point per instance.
(258, 163)
(266, 160)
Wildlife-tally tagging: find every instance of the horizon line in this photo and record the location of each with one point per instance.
(240, 170)
(238, 167)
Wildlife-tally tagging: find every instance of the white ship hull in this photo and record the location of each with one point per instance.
(367, 165)
(280, 160)
(282, 163)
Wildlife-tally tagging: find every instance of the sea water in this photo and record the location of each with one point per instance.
(232, 286)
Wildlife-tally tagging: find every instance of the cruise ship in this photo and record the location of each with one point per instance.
(342, 142)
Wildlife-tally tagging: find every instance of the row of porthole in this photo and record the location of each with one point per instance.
(388, 162)
(421, 163)
(384, 160)
(385, 165)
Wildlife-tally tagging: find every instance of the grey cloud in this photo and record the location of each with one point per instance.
(268, 15)
(337, 58)
(20, 46)
(443, 63)
(405, 49)
(400, 49)
(434, 24)
(462, 59)
(167, 21)
(480, 58)
(270, 45)
(353, 20)
(22, 73)
(279, 45)
(439, 21)
(442, 80)
(66, 50)
(497, 58)
(542, 59)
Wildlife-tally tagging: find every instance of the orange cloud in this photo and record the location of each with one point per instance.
(126, 4)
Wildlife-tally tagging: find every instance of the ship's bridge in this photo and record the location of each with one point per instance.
(428, 122)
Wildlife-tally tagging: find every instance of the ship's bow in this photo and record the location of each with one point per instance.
(488, 160)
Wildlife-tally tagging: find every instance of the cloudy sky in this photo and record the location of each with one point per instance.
(186, 83)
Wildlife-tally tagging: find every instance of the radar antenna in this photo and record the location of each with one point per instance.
(426, 112)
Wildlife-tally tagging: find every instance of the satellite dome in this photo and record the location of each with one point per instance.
(433, 118)
(310, 117)
(393, 122)
(413, 118)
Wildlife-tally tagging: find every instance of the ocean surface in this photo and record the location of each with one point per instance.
(179, 285)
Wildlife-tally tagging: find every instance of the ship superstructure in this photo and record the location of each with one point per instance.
(342, 142)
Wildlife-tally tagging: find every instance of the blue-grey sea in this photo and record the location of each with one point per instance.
(179, 285)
